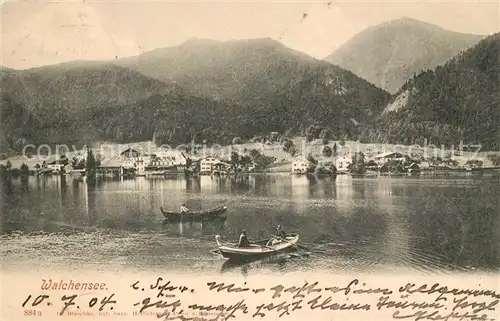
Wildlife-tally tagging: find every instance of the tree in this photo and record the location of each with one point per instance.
(8, 165)
(358, 163)
(245, 160)
(237, 141)
(287, 145)
(91, 167)
(327, 151)
(254, 153)
(325, 134)
(313, 162)
(24, 172)
(312, 132)
(261, 161)
(189, 162)
(5, 179)
(235, 159)
(24, 169)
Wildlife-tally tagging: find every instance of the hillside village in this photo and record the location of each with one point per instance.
(273, 153)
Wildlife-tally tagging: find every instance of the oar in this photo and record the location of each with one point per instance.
(303, 247)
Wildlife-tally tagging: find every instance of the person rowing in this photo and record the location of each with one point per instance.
(243, 241)
(278, 237)
(280, 232)
(184, 209)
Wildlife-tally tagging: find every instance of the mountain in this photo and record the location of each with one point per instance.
(458, 101)
(282, 87)
(205, 89)
(388, 54)
(238, 70)
(65, 103)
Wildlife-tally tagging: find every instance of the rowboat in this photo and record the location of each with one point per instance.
(204, 215)
(256, 249)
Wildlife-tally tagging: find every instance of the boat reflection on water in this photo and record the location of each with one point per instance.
(193, 229)
(219, 220)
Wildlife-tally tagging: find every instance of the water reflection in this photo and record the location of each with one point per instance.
(194, 229)
(353, 223)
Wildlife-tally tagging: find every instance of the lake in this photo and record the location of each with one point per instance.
(420, 224)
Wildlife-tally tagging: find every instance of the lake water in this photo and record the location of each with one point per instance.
(417, 224)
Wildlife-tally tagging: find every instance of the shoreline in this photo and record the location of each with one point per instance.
(283, 161)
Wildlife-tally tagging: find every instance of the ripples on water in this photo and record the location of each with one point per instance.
(376, 224)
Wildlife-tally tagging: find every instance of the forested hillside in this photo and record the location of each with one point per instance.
(458, 101)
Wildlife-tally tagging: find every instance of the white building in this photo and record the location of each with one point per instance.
(211, 163)
(300, 165)
(169, 158)
(342, 163)
(132, 158)
(383, 158)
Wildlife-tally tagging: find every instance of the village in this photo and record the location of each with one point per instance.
(265, 156)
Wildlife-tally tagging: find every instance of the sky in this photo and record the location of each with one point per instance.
(36, 33)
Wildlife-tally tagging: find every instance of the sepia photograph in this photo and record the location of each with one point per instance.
(219, 160)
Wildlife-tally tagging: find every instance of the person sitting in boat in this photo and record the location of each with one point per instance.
(280, 233)
(184, 209)
(243, 242)
(279, 237)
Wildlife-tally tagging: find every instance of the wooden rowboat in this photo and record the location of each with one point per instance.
(256, 249)
(195, 216)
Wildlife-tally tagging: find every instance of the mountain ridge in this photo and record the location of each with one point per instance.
(278, 90)
(457, 101)
(399, 49)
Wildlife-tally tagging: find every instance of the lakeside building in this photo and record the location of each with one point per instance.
(300, 165)
(169, 159)
(383, 158)
(132, 158)
(213, 164)
(343, 164)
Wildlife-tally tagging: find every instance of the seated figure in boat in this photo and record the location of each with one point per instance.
(243, 242)
(280, 232)
(279, 237)
(184, 209)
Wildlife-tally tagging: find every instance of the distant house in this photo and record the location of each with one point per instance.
(110, 167)
(213, 163)
(383, 158)
(55, 167)
(220, 167)
(343, 164)
(207, 163)
(132, 158)
(273, 136)
(130, 153)
(169, 159)
(113, 168)
(300, 165)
